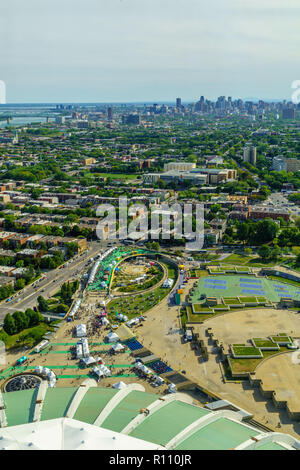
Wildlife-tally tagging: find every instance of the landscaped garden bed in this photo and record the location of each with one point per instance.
(241, 350)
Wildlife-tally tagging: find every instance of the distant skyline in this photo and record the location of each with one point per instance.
(148, 50)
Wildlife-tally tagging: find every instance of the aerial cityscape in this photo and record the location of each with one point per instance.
(149, 264)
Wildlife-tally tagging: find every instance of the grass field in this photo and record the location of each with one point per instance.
(134, 305)
(28, 337)
(249, 365)
(264, 343)
(242, 350)
(118, 176)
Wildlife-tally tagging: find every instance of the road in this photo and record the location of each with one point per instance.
(27, 298)
(280, 201)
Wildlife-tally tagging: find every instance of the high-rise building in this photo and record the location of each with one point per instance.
(279, 164)
(292, 164)
(110, 113)
(60, 120)
(178, 102)
(288, 113)
(250, 155)
(131, 119)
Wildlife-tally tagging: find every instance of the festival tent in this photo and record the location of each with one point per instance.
(88, 360)
(117, 347)
(112, 337)
(80, 330)
(119, 385)
(172, 388)
(98, 372)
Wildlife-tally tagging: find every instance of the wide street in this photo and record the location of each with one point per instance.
(54, 279)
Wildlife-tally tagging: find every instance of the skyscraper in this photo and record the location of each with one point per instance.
(289, 113)
(178, 102)
(250, 155)
(110, 113)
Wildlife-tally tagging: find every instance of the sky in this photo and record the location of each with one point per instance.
(148, 50)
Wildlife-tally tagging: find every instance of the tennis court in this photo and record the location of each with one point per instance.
(237, 286)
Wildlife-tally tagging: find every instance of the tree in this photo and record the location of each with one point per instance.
(9, 325)
(21, 321)
(264, 252)
(243, 231)
(20, 283)
(34, 317)
(297, 222)
(43, 304)
(276, 252)
(266, 231)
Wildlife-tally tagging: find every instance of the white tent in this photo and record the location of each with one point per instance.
(106, 371)
(133, 321)
(159, 380)
(79, 351)
(104, 321)
(80, 330)
(98, 372)
(142, 367)
(118, 347)
(38, 370)
(88, 360)
(112, 337)
(172, 388)
(119, 385)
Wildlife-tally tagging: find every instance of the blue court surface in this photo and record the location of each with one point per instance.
(236, 286)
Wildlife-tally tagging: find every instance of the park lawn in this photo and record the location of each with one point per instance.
(248, 299)
(202, 272)
(249, 365)
(28, 337)
(199, 308)
(282, 337)
(139, 287)
(199, 317)
(123, 176)
(236, 259)
(259, 263)
(263, 343)
(231, 301)
(242, 350)
(198, 273)
(135, 305)
(216, 270)
(183, 317)
(242, 270)
(261, 298)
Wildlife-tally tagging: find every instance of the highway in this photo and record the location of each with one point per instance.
(27, 298)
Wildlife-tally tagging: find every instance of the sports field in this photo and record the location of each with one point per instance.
(243, 286)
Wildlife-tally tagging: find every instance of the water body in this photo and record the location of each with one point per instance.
(21, 121)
